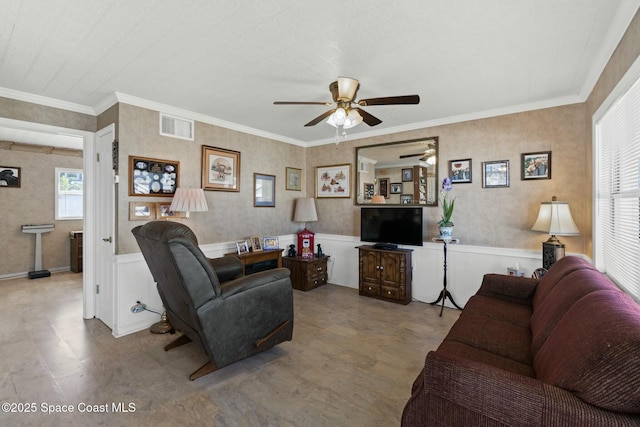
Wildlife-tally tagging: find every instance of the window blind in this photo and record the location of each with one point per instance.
(617, 232)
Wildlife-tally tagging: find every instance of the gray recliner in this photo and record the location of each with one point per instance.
(230, 321)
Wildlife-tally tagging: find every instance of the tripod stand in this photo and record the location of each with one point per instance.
(444, 293)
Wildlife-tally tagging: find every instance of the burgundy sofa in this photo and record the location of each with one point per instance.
(563, 350)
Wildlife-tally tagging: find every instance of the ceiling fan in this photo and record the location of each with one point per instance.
(345, 115)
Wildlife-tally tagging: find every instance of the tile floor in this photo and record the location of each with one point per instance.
(351, 363)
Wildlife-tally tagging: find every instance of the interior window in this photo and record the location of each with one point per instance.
(69, 193)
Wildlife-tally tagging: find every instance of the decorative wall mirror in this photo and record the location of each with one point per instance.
(398, 173)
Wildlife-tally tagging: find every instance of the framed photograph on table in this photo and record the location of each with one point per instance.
(264, 190)
(256, 243)
(270, 243)
(333, 181)
(460, 171)
(495, 174)
(153, 177)
(294, 179)
(242, 247)
(536, 165)
(9, 177)
(220, 169)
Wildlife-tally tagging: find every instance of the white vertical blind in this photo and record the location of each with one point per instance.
(617, 233)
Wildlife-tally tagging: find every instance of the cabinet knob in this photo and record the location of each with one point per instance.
(388, 292)
(369, 287)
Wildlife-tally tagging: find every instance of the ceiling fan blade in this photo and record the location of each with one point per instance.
(368, 118)
(320, 118)
(391, 100)
(404, 156)
(328, 104)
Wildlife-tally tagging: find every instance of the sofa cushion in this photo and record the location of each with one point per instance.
(569, 289)
(502, 338)
(499, 309)
(467, 352)
(560, 269)
(594, 351)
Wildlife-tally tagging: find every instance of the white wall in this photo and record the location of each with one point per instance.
(466, 267)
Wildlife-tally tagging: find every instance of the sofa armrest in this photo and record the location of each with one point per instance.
(518, 290)
(244, 283)
(227, 267)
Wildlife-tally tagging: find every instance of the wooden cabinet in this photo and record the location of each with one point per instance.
(385, 274)
(307, 273)
(255, 262)
(75, 238)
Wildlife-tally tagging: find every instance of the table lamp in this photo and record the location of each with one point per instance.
(189, 200)
(305, 211)
(555, 219)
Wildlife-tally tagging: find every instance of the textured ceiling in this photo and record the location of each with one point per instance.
(228, 61)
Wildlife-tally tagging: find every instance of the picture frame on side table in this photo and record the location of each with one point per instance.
(536, 165)
(495, 174)
(153, 177)
(220, 169)
(10, 177)
(333, 181)
(460, 171)
(264, 190)
(270, 243)
(256, 243)
(294, 179)
(242, 247)
(142, 211)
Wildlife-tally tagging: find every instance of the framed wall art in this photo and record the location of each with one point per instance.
(369, 190)
(407, 175)
(163, 211)
(142, 211)
(536, 165)
(333, 181)
(264, 190)
(220, 169)
(294, 179)
(383, 187)
(396, 188)
(460, 171)
(153, 177)
(495, 174)
(406, 199)
(10, 177)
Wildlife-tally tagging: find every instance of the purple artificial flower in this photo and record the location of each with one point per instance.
(446, 184)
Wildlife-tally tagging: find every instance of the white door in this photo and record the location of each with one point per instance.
(105, 225)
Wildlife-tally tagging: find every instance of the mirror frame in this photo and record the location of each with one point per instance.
(396, 143)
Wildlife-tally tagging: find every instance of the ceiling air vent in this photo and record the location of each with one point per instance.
(176, 127)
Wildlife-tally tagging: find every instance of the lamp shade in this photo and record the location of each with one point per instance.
(189, 200)
(305, 210)
(378, 199)
(555, 218)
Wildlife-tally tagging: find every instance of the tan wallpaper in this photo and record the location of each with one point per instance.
(33, 203)
(29, 112)
(500, 217)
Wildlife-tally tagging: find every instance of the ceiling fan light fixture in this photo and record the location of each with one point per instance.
(338, 117)
(353, 119)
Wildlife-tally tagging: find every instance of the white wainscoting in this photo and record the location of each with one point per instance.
(466, 267)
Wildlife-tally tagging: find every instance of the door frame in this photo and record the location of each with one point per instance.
(89, 224)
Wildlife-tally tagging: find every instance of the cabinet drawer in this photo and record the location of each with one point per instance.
(369, 289)
(390, 292)
(314, 282)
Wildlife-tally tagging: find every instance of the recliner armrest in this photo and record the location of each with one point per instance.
(253, 280)
(227, 267)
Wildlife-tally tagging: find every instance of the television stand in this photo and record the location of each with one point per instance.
(386, 246)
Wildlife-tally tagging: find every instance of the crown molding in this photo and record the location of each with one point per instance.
(48, 102)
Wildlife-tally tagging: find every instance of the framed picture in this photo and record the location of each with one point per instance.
(220, 169)
(396, 188)
(383, 187)
(495, 174)
(294, 179)
(153, 177)
(242, 247)
(536, 165)
(142, 211)
(264, 190)
(163, 211)
(406, 199)
(333, 181)
(270, 243)
(256, 243)
(407, 175)
(369, 190)
(10, 177)
(460, 171)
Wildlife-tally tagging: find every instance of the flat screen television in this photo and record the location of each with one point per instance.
(389, 227)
